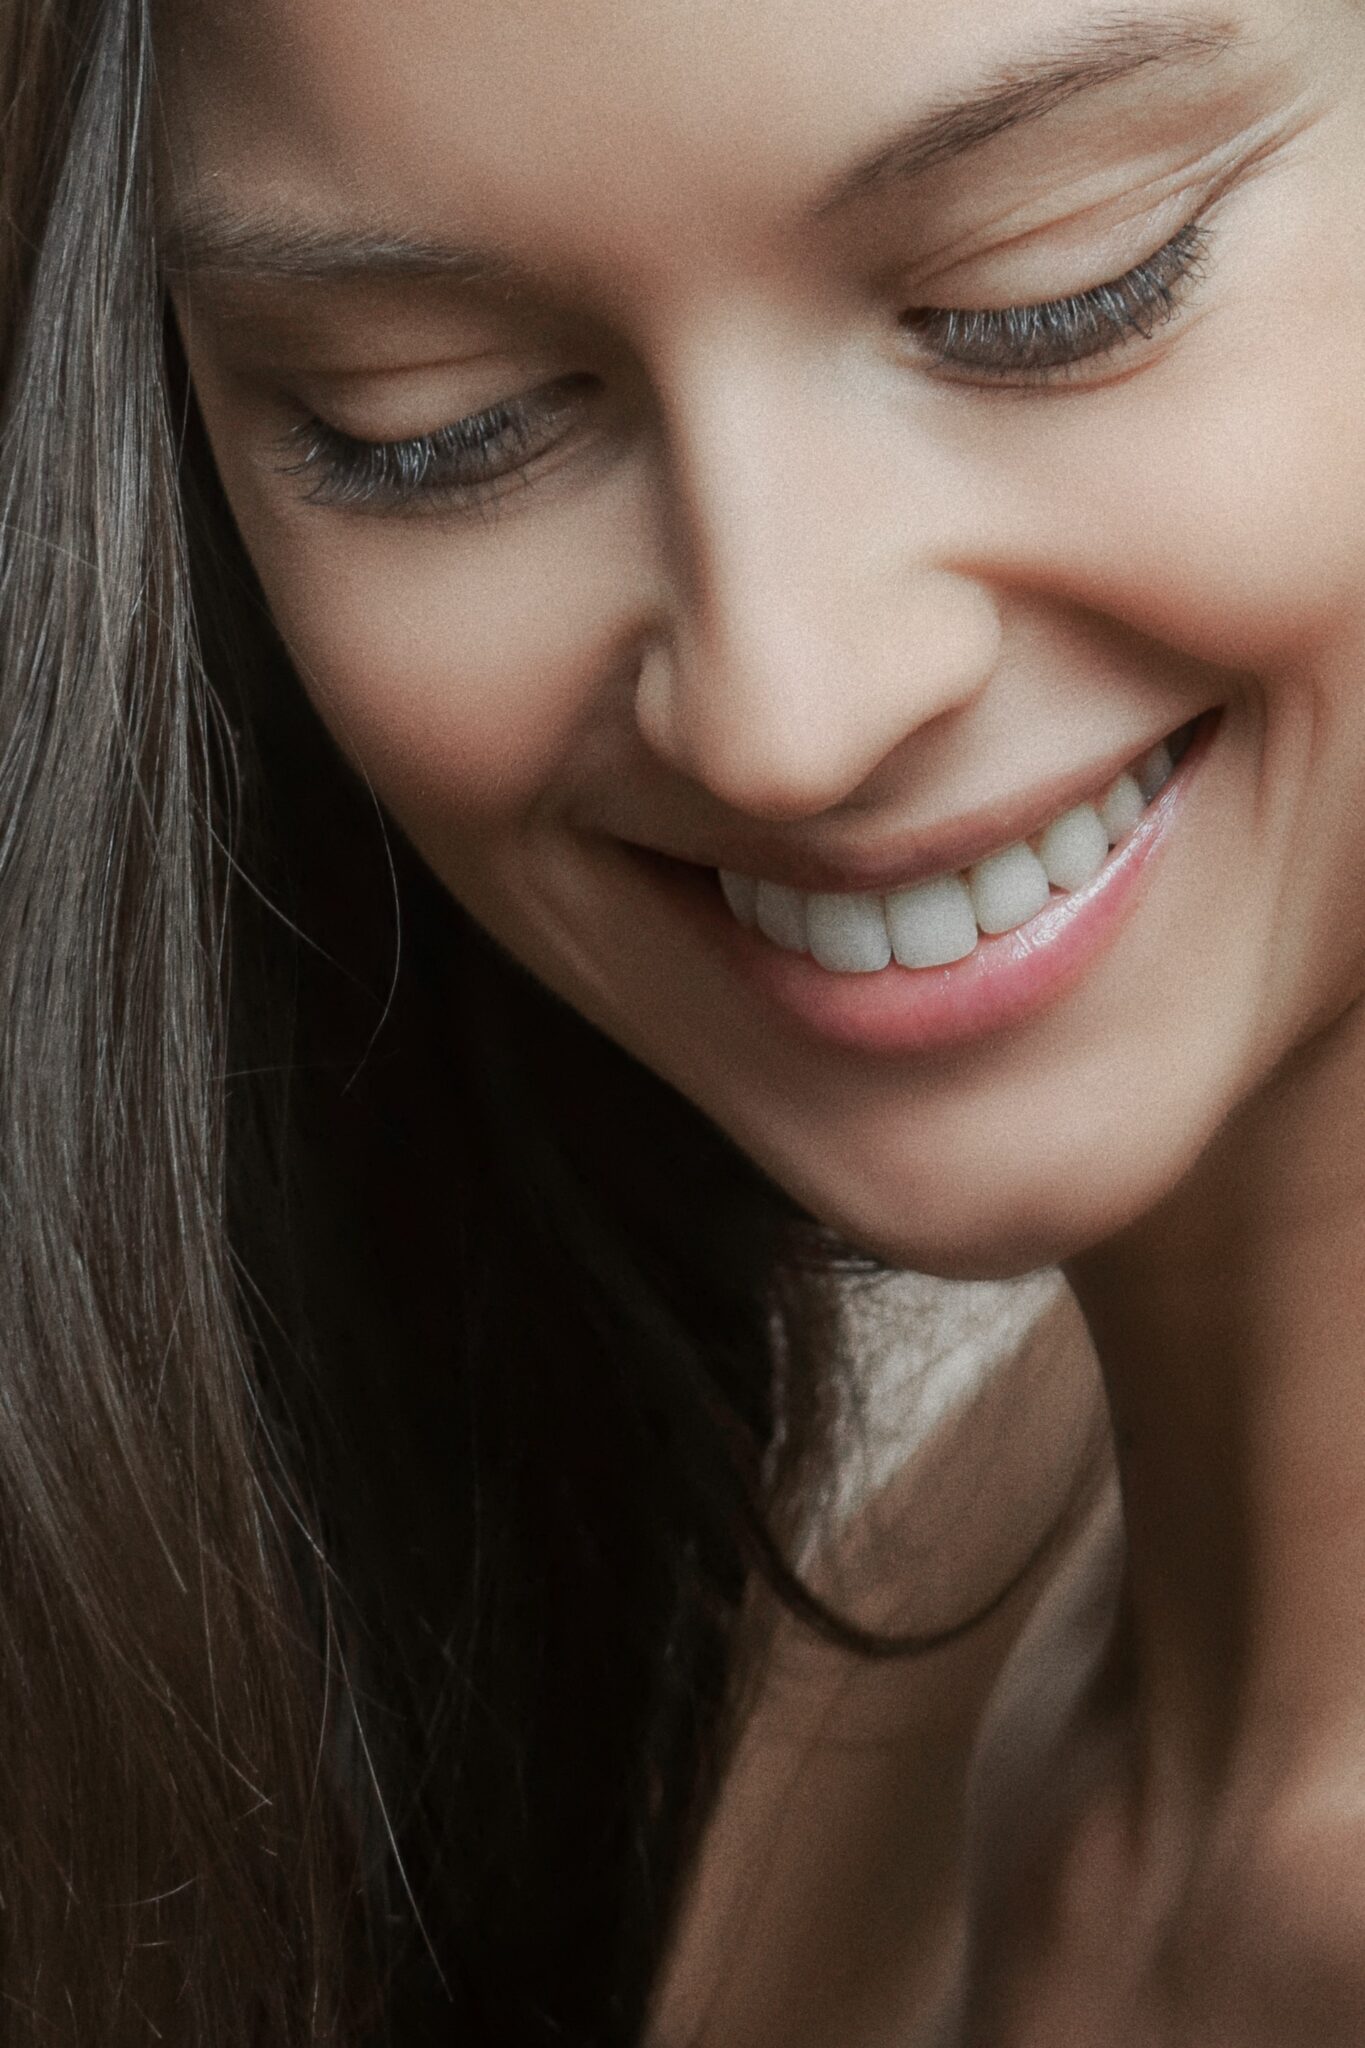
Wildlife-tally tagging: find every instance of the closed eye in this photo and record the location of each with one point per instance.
(1031, 342)
(460, 463)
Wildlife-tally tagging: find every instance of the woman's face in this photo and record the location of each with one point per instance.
(583, 383)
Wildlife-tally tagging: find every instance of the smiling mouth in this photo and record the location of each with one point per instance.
(942, 919)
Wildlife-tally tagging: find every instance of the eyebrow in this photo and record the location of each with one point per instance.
(209, 239)
(1112, 49)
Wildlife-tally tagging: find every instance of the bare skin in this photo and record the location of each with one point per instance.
(830, 1897)
(756, 577)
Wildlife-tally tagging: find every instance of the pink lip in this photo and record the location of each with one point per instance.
(1006, 980)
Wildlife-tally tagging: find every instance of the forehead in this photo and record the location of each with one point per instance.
(624, 124)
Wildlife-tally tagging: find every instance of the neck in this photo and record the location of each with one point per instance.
(1230, 1326)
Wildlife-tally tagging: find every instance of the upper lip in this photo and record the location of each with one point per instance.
(917, 853)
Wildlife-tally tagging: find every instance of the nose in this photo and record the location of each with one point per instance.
(819, 620)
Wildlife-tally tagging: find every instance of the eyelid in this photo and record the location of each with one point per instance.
(370, 397)
(1034, 340)
(398, 474)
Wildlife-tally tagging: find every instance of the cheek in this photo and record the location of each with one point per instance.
(1216, 501)
(458, 665)
(1241, 540)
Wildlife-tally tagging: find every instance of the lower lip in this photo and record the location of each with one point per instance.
(1007, 979)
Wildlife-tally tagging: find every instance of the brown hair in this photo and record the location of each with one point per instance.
(387, 1368)
(398, 1383)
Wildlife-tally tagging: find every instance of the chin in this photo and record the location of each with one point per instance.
(996, 1211)
(1002, 1245)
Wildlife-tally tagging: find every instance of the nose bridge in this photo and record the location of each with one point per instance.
(817, 619)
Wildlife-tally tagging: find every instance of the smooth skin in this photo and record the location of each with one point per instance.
(767, 574)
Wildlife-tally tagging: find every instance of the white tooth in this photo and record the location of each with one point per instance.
(932, 924)
(741, 893)
(847, 934)
(1074, 848)
(781, 915)
(1121, 808)
(1008, 888)
(1154, 770)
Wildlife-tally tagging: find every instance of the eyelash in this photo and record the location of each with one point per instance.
(467, 461)
(1031, 344)
(474, 458)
